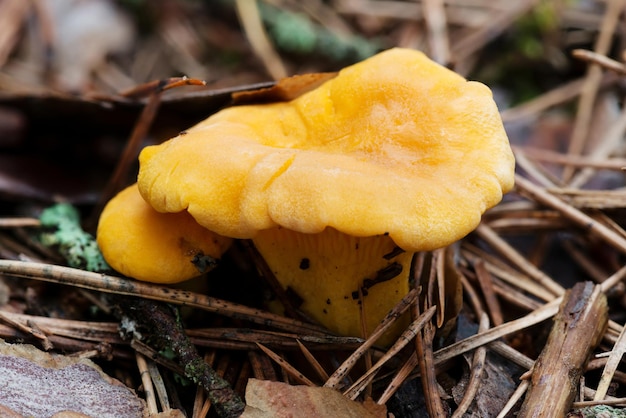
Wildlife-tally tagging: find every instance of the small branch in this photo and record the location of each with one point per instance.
(407, 336)
(148, 388)
(288, 368)
(611, 366)
(593, 79)
(335, 380)
(250, 18)
(120, 286)
(540, 314)
(163, 330)
(478, 365)
(540, 195)
(19, 222)
(602, 60)
(511, 254)
(578, 328)
(424, 350)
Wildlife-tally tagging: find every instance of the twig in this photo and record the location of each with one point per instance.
(486, 285)
(515, 397)
(539, 315)
(28, 329)
(346, 366)
(146, 382)
(426, 362)
(18, 222)
(548, 156)
(120, 286)
(611, 366)
(616, 402)
(404, 372)
(537, 172)
(478, 365)
(578, 328)
(559, 95)
(319, 369)
(505, 273)
(471, 296)
(262, 367)
(159, 326)
(250, 18)
(607, 145)
(407, 336)
(159, 386)
(291, 371)
(600, 59)
(587, 223)
(593, 78)
(13, 14)
(500, 21)
(517, 259)
(511, 354)
(592, 199)
(435, 20)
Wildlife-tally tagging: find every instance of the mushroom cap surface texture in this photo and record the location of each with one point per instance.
(144, 244)
(395, 144)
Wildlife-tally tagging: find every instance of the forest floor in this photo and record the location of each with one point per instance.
(85, 84)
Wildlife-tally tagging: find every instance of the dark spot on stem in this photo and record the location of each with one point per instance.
(383, 275)
(395, 252)
(305, 263)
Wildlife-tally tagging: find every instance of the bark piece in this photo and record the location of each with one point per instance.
(577, 330)
(38, 384)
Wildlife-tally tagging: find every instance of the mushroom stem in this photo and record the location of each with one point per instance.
(336, 276)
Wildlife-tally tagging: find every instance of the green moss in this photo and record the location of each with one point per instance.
(64, 232)
(601, 411)
(296, 33)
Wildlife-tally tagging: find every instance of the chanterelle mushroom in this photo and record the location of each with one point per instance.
(157, 247)
(396, 151)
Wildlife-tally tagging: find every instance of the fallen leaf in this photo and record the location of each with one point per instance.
(285, 89)
(38, 384)
(267, 399)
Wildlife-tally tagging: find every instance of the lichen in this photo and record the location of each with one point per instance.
(63, 231)
(601, 411)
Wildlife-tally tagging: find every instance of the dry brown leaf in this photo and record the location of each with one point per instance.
(35, 383)
(285, 89)
(267, 399)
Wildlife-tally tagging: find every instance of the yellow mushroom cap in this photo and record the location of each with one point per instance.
(142, 243)
(396, 145)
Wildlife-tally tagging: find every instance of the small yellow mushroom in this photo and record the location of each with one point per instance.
(395, 151)
(142, 243)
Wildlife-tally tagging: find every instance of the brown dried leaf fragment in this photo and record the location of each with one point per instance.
(267, 399)
(35, 383)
